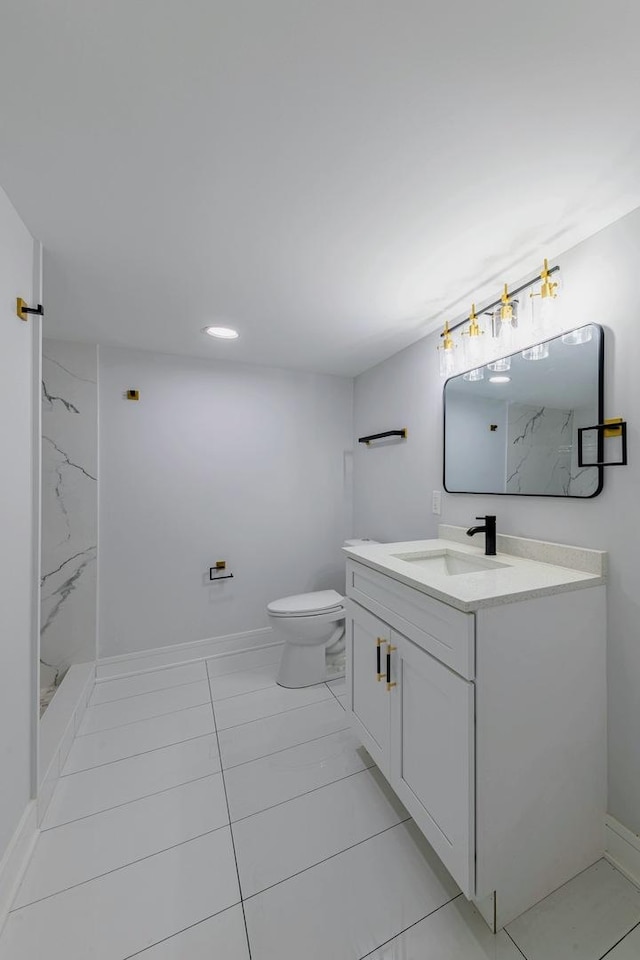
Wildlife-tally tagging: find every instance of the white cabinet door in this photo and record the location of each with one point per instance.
(432, 754)
(368, 699)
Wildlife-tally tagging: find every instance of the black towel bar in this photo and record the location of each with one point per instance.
(380, 436)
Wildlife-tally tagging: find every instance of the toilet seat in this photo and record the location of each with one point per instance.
(307, 604)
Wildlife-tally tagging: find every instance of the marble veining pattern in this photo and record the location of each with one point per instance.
(69, 507)
(542, 452)
(538, 450)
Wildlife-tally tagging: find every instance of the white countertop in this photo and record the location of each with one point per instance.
(518, 579)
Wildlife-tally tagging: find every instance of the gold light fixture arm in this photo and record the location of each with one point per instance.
(474, 327)
(549, 289)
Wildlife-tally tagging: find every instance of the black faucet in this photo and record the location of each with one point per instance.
(489, 530)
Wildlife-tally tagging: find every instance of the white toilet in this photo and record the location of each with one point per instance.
(312, 628)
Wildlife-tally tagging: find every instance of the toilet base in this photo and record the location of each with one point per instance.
(305, 666)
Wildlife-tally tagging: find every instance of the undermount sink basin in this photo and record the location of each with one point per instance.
(448, 563)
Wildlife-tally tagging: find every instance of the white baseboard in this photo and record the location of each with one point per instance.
(58, 727)
(130, 663)
(622, 849)
(16, 858)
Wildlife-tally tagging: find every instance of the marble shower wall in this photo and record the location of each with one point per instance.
(539, 445)
(542, 451)
(69, 505)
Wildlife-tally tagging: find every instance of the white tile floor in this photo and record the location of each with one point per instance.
(206, 813)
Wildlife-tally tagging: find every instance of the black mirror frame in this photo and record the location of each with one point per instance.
(554, 496)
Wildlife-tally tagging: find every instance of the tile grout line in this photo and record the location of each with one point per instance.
(124, 866)
(621, 940)
(410, 927)
(306, 793)
(245, 693)
(263, 756)
(146, 693)
(226, 798)
(312, 866)
(142, 753)
(129, 723)
(159, 668)
(514, 943)
(335, 695)
(186, 683)
(178, 933)
(238, 653)
(125, 803)
(301, 706)
(211, 733)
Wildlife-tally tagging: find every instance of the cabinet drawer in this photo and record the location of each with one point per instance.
(446, 633)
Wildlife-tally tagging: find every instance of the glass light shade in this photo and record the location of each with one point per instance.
(582, 335)
(477, 374)
(546, 311)
(473, 350)
(539, 352)
(503, 334)
(541, 318)
(447, 361)
(499, 366)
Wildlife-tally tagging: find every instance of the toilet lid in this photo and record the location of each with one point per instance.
(305, 603)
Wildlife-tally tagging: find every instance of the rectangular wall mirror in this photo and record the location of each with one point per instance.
(515, 430)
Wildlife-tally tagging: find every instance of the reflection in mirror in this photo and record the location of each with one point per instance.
(515, 431)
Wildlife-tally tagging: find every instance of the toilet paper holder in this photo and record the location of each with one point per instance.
(220, 565)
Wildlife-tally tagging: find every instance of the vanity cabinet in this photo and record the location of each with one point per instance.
(415, 717)
(490, 727)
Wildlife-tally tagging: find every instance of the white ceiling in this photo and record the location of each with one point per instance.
(329, 177)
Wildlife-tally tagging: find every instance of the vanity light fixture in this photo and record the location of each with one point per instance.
(509, 330)
(446, 352)
(545, 312)
(222, 333)
(506, 316)
(473, 344)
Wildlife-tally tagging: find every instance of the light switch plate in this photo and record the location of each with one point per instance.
(436, 502)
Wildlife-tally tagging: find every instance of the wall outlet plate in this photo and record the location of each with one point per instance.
(436, 502)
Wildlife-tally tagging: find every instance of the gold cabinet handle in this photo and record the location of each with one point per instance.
(379, 642)
(390, 650)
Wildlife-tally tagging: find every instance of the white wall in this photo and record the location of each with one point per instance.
(69, 503)
(393, 486)
(469, 421)
(18, 653)
(215, 461)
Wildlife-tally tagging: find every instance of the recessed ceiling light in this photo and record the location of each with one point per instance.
(499, 379)
(222, 333)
